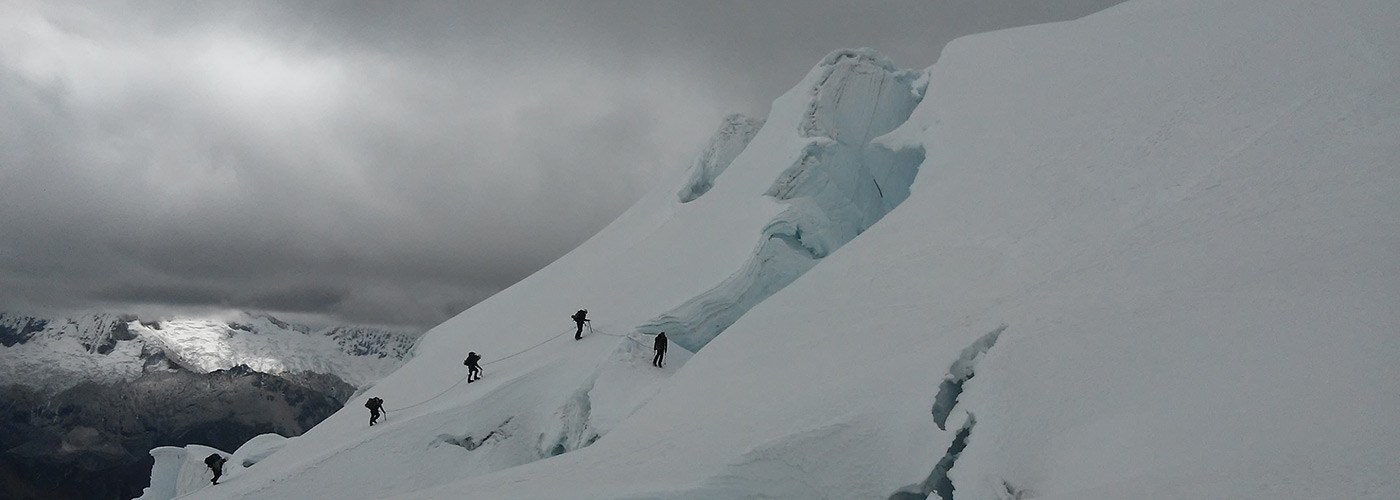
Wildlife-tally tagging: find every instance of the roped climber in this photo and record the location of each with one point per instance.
(579, 318)
(660, 346)
(375, 406)
(473, 368)
(215, 462)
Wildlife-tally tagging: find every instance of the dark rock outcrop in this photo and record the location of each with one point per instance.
(16, 329)
(91, 441)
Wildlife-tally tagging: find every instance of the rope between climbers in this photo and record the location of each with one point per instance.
(464, 377)
(628, 337)
(561, 334)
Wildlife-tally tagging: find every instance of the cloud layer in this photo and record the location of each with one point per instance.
(385, 162)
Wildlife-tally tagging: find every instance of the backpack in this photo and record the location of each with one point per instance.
(578, 316)
(213, 459)
(373, 403)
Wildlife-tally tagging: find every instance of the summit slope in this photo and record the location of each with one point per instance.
(775, 210)
(1152, 252)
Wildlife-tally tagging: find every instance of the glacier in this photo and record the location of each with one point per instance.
(1154, 248)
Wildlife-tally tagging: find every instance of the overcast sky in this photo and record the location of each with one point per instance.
(377, 162)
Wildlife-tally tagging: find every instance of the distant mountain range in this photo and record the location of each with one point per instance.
(83, 398)
(52, 354)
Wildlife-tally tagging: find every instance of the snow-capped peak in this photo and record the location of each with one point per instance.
(55, 353)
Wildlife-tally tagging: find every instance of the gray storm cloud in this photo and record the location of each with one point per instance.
(378, 162)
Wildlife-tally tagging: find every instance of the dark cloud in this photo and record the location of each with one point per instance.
(386, 162)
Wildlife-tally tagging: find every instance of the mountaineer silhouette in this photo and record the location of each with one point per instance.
(660, 347)
(375, 406)
(473, 369)
(579, 318)
(216, 464)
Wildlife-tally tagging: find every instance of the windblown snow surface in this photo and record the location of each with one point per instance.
(1151, 253)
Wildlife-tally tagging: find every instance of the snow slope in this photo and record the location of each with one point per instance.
(1150, 253)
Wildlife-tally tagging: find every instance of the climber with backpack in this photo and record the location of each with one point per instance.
(579, 318)
(375, 405)
(660, 347)
(216, 464)
(473, 368)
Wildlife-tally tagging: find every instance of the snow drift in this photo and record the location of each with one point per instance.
(1154, 250)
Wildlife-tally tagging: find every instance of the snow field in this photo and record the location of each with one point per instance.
(1182, 217)
(1199, 281)
(578, 393)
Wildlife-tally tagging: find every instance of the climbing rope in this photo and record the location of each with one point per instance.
(435, 396)
(464, 377)
(628, 337)
(527, 349)
(523, 351)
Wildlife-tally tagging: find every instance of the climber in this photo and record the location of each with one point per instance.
(580, 318)
(375, 405)
(473, 369)
(216, 464)
(660, 347)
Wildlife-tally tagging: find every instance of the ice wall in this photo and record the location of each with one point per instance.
(180, 470)
(165, 473)
(841, 183)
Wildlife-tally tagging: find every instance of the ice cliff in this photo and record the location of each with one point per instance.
(833, 190)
